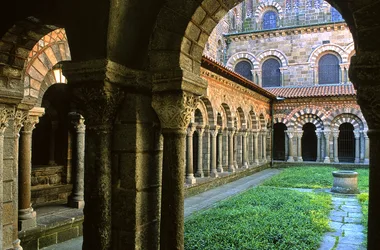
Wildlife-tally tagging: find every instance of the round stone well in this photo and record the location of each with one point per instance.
(345, 182)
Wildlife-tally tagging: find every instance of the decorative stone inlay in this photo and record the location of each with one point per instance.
(174, 109)
(345, 182)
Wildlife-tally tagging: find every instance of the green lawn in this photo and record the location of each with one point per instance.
(261, 218)
(312, 177)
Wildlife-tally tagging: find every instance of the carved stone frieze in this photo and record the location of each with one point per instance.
(174, 109)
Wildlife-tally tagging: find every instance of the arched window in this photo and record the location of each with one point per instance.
(269, 20)
(244, 68)
(335, 15)
(271, 75)
(328, 69)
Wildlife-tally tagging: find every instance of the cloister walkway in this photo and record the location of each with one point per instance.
(210, 197)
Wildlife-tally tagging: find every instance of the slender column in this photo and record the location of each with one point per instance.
(207, 154)
(225, 143)
(190, 179)
(220, 151)
(200, 131)
(335, 136)
(214, 134)
(299, 146)
(326, 133)
(77, 198)
(252, 148)
(366, 147)
(357, 146)
(231, 166)
(244, 150)
(362, 147)
(235, 142)
(54, 126)
(318, 133)
(174, 111)
(291, 153)
(264, 145)
(26, 214)
(69, 159)
(256, 146)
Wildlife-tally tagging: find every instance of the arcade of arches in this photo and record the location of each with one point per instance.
(103, 99)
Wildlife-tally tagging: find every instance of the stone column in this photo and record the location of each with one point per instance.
(326, 133)
(214, 134)
(54, 126)
(174, 110)
(264, 145)
(299, 146)
(207, 154)
(256, 146)
(357, 146)
(5, 114)
(251, 146)
(244, 150)
(220, 151)
(291, 152)
(26, 214)
(362, 147)
(231, 166)
(366, 147)
(225, 143)
(77, 198)
(318, 133)
(335, 136)
(200, 131)
(235, 143)
(189, 161)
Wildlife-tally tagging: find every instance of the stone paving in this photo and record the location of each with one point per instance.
(345, 220)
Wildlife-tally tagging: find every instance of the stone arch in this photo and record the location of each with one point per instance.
(253, 119)
(237, 57)
(209, 110)
(51, 77)
(265, 6)
(325, 49)
(44, 56)
(241, 118)
(203, 111)
(272, 53)
(228, 115)
(262, 121)
(313, 110)
(308, 118)
(279, 119)
(347, 118)
(354, 112)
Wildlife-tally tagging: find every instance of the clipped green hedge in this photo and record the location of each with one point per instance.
(261, 218)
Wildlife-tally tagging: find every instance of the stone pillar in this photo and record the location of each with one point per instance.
(207, 160)
(335, 136)
(5, 114)
(291, 151)
(174, 110)
(318, 133)
(54, 126)
(251, 147)
(256, 147)
(226, 150)
(264, 145)
(214, 134)
(200, 131)
(26, 214)
(366, 147)
(362, 147)
(326, 133)
(357, 146)
(77, 198)
(299, 146)
(231, 166)
(189, 161)
(220, 151)
(235, 143)
(244, 149)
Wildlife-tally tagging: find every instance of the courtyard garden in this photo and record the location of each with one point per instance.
(274, 215)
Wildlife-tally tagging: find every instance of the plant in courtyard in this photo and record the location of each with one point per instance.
(261, 218)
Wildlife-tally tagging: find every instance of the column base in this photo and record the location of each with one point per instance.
(220, 169)
(366, 161)
(290, 159)
(357, 160)
(201, 175)
(214, 174)
(245, 165)
(231, 168)
(76, 204)
(190, 180)
(327, 160)
(300, 159)
(27, 218)
(336, 160)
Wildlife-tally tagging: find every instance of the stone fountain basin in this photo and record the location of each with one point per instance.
(345, 182)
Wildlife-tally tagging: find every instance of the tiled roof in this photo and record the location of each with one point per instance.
(314, 91)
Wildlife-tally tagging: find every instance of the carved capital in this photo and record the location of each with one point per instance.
(77, 121)
(290, 134)
(357, 134)
(99, 104)
(190, 130)
(19, 118)
(30, 123)
(174, 109)
(335, 134)
(5, 114)
(200, 130)
(327, 134)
